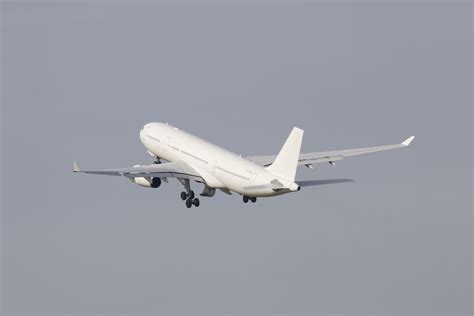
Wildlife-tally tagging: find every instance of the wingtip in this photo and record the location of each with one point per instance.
(408, 141)
(75, 167)
(297, 129)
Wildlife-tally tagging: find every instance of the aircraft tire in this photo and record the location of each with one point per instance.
(189, 203)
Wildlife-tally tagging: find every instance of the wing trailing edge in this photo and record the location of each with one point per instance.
(308, 159)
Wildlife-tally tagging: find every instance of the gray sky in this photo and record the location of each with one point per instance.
(80, 79)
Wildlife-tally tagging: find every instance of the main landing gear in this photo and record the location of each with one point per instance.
(188, 195)
(189, 198)
(246, 199)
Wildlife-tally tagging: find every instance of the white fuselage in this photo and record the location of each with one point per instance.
(219, 167)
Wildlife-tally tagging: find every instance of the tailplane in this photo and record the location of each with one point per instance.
(286, 162)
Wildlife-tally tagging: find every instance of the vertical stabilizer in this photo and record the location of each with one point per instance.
(286, 162)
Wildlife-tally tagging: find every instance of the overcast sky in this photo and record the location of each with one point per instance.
(79, 79)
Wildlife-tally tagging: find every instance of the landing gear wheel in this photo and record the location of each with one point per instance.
(196, 202)
(191, 194)
(189, 203)
(245, 199)
(253, 199)
(184, 196)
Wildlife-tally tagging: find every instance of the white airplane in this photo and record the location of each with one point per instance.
(191, 158)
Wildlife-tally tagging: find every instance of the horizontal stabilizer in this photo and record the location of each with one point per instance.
(307, 183)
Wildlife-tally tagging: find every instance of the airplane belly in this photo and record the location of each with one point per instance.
(240, 187)
(260, 193)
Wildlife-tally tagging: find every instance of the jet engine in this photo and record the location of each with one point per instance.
(208, 191)
(147, 182)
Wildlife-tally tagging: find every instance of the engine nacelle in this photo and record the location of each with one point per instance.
(147, 182)
(208, 191)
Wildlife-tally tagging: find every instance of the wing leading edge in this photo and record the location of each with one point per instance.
(307, 159)
(178, 169)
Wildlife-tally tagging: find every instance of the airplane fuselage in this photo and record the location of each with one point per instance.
(219, 167)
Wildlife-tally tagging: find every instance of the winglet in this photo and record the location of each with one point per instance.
(407, 141)
(75, 167)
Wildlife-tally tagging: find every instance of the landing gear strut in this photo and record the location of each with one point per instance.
(188, 195)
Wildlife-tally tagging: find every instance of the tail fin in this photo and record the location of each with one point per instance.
(286, 162)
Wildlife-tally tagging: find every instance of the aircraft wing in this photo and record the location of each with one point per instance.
(308, 159)
(178, 169)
